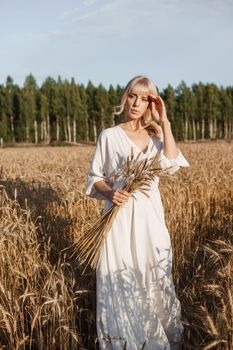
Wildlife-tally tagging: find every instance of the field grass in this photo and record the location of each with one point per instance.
(45, 302)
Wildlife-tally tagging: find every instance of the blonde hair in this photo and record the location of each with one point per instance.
(141, 85)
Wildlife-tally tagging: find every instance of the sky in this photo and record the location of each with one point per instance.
(110, 42)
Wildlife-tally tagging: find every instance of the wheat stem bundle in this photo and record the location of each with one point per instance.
(137, 175)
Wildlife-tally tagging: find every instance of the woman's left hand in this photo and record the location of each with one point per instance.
(158, 109)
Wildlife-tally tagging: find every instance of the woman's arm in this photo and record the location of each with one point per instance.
(117, 196)
(97, 182)
(158, 110)
(169, 144)
(104, 189)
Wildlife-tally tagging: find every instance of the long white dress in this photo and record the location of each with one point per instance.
(137, 306)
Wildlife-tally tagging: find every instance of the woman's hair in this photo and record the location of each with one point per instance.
(141, 85)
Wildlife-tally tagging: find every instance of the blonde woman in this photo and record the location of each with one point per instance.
(137, 306)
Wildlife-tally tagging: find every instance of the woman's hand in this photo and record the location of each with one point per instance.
(158, 109)
(119, 196)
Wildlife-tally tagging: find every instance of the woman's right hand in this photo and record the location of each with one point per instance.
(119, 196)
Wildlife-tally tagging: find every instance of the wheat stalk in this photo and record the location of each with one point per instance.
(138, 175)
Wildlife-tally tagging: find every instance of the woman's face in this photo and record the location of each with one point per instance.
(136, 105)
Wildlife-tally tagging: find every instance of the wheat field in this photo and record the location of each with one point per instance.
(45, 301)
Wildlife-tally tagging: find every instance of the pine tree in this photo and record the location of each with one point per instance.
(90, 91)
(199, 110)
(101, 108)
(169, 97)
(83, 113)
(226, 103)
(4, 127)
(113, 101)
(11, 107)
(28, 110)
(49, 89)
(213, 112)
(184, 109)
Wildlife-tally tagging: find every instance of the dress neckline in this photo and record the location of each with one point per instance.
(133, 143)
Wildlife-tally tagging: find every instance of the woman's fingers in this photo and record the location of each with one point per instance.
(156, 103)
(156, 99)
(123, 192)
(153, 108)
(120, 196)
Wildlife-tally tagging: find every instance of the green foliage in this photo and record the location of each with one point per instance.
(65, 111)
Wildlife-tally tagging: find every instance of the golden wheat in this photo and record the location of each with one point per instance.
(45, 303)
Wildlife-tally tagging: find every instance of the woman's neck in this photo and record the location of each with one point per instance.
(133, 125)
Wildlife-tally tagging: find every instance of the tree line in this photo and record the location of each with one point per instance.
(61, 110)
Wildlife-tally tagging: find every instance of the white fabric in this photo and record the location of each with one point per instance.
(137, 306)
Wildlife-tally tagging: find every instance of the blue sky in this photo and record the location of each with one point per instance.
(110, 42)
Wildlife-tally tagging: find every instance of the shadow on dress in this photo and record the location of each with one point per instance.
(136, 312)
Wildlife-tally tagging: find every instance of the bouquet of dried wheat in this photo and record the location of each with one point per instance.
(137, 175)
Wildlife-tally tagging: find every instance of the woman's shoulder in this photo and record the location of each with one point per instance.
(106, 132)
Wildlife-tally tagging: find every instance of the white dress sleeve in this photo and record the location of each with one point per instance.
(174, 163)
(97, 168)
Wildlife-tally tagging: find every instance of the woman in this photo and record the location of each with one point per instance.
(137, 306)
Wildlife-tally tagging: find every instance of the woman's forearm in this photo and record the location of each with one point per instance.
(104, 189)
(117, 196)
(169, 145)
